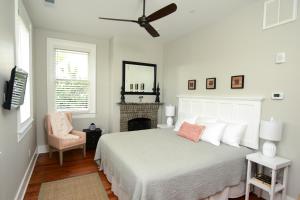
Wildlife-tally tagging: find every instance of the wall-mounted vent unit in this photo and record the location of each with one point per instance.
(277, 12)
(49, 2)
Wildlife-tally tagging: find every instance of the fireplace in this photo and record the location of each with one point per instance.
(139, 124)
(140, 115)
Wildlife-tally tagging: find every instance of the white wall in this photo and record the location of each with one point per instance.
(132, 49)
(15, 157)
(110, 54)
(238, 45)
(102, 80)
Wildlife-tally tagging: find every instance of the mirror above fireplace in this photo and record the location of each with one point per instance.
(139, 78)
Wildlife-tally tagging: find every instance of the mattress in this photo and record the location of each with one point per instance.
(157, 164)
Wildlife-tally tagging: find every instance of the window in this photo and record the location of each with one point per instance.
(71, 77)
(23, 61)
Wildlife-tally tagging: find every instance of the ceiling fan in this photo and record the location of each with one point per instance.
(144, 21)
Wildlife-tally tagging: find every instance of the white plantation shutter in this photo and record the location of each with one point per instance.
(23, 62)
(72, 84)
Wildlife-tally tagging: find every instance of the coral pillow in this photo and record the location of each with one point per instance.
(191, 131)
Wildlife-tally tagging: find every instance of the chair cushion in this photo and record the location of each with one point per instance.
(66, 143)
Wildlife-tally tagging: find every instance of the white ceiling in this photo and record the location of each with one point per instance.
(81, 16)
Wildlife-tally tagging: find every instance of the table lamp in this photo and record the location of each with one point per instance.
(271, 131)
(170, 113)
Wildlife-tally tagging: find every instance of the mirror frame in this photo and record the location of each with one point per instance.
(124, 78)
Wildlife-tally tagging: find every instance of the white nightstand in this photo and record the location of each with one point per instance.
(275, 164)
(164, 126)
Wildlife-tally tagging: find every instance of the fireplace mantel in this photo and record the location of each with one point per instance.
(129, 111)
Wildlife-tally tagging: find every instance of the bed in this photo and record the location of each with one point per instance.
(157, 164)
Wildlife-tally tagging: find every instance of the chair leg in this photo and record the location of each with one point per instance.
(84, 150)
(61, 157)
(50, 152)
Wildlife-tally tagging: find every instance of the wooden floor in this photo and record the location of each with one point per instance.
(48, 169)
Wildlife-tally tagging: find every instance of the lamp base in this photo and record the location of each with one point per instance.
(170, 121)
(269, 149)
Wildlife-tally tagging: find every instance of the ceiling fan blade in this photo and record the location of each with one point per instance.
(121, 20)
(162, 12)
(151, 30)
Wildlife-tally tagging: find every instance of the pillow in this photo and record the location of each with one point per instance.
(213, 133)
(191, 120)
(233, 134)
(191, 131)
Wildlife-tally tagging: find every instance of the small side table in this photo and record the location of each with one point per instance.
(274, 164)
(164, 126)
(92, 137)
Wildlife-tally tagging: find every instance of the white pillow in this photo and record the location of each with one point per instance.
(191, 120)
(233, 134)
(213, 133)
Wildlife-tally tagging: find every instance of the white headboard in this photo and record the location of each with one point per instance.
(237, 109)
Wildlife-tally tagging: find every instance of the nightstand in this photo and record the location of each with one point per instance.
(92, 137)
(274, 164)
(164, 126)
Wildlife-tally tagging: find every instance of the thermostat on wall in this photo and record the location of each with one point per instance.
(277, 96)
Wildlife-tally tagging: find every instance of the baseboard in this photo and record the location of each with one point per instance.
(266, 196)
(289, 198)
(25, 180)
(43, 149)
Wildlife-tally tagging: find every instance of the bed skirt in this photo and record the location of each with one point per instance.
(228, 192)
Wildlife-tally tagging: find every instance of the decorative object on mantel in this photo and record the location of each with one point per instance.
(122, 95)
(170, 113)
(211, 83)
(270, 131)
(237, 82)
(157, 94)
(142, 87)
(191, 84)
(141, 99)
(131, 87)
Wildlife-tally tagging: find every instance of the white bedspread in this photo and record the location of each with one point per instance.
(157, 164)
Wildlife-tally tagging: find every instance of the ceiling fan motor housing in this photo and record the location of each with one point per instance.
(142, 21)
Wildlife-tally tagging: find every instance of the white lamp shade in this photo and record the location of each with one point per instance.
(271, 130)
(170, 111)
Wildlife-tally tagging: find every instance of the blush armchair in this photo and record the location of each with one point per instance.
(61, 145)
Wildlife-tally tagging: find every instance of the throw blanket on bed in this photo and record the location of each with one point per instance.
(157, 164)
(61, 126)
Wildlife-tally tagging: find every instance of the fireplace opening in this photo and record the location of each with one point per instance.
(139, 124)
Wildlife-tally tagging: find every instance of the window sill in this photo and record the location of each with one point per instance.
(24, 129)
(83, 115)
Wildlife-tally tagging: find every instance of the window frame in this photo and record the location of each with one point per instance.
(52, 45)
(21, 14)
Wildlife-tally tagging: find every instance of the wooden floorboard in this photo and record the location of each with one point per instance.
(48, 169)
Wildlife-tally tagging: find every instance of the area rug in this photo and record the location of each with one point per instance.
(86, 187)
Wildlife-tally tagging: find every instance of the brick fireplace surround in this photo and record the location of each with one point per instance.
(129, 111)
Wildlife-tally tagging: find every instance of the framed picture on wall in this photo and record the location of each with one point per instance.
(191, 84)
(237, 82)
(211, 83)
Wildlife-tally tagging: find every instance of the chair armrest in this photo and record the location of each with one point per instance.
(54, 141)
(80, 134)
